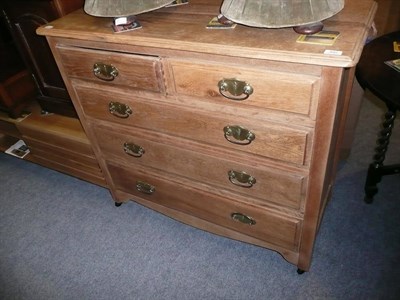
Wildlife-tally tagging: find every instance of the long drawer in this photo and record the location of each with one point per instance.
(63, 155)
(237, 133)
(61, 159)
(224, 170)
(251, 220)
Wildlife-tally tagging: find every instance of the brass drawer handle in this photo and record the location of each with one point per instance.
(239, 217)
(235, 89)
(105, 72)
(238, 135)
(241, 179)
(145, 188)
(119, 110)
(133, 150)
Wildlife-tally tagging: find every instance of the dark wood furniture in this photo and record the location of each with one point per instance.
(23, 18)
(373, 74)
(17, 88)
(55, 140)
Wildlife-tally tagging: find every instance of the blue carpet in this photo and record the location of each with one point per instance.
(62, 238)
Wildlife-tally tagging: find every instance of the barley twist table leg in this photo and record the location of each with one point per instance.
(375, 173)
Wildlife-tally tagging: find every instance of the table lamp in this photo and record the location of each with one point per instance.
(304, 16)
(122, 8)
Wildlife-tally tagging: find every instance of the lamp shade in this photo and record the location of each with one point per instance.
(122, 8)
(279, 13)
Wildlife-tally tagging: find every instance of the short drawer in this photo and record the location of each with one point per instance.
(251, 220)
(227, 171)
(245, 87)
(111, 68)
(266, 139)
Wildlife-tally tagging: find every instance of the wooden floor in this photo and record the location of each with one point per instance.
(388, 16)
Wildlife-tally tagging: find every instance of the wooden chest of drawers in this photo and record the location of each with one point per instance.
(232, 131)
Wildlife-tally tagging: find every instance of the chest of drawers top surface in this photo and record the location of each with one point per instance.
(184, 28)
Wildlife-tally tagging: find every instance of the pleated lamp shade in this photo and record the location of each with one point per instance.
(280, 13)
(122, 8)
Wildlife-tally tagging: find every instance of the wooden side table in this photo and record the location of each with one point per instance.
(373, 74)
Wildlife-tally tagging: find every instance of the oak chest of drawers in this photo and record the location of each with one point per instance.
(232, 131)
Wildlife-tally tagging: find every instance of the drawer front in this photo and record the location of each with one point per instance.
(70, 162)
(225, 171)
(270, 140)
(133, 71)
(289, 92)
(81, 146)
(50, 162)
(63, 160)
(269, 226)
(63, 155)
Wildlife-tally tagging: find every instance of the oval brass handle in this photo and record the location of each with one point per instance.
(119, 110)
(145, 187)
(133, 150)
(235, 89)
(241, 179)
(105, 72)
(238, 135)
(239, 217)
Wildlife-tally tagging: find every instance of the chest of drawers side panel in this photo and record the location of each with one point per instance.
(327, 129)
(54, 44)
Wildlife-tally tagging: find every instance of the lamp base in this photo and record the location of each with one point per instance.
(309, 28)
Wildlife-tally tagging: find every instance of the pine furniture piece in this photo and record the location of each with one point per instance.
(383, 81)
(55, 141)
(23, 18)
(233, 131)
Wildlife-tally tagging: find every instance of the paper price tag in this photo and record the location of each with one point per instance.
(333, 52)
